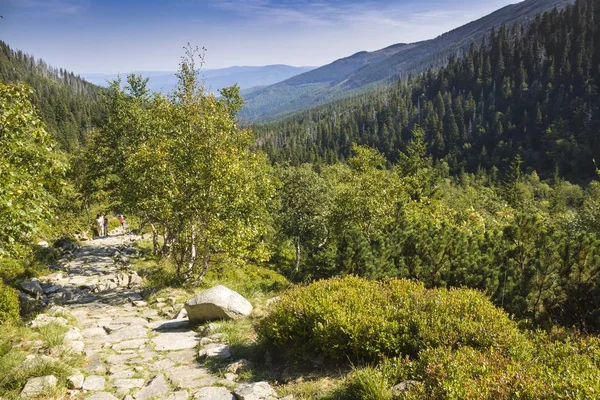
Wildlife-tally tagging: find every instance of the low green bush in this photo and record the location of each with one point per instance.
(10, 268)
(9, 304)
(559, 370)
(353, 318)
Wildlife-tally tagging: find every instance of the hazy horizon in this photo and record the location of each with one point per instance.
(109, 37)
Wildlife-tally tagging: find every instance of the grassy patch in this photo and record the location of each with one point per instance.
(16, 343)
(322, 388)
(52, 334)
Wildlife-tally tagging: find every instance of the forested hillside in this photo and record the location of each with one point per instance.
(365, 71)
(530, 91)
(68, 105)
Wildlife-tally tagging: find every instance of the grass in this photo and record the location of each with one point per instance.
(52, 334)
(16, 342)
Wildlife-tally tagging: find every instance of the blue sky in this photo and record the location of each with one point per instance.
(110, 36)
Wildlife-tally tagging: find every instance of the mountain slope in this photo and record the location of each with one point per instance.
(245, 76)
(529, 95)
(68, 105)
(435, 52)
(311, 89)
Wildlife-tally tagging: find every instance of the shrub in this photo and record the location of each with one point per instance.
(559, 370)
(357, 319)
(9, 304)
(10, 268)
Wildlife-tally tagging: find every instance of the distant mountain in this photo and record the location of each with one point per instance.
(215, 79)
(365, 70)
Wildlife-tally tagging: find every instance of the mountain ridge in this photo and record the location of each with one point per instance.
(293, 95)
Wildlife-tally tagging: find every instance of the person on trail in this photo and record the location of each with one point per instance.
(123, 223)
(106, 225)
(100, 224)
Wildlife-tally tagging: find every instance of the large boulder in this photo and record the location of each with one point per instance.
(216, 303)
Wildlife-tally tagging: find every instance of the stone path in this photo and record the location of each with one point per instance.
(132, 350)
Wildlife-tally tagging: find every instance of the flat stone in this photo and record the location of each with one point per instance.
(95, 364)
(183, 356)
(169, 341)
(132, 332)
(94, 382)
(119, 358)
(214, 393)
(36, 386)
(75, 381)
(126, 373)
(156, 387)
(128, 383)
(221, 351)
(179, 395)
(169, 325)
(161, 365)
(93, 332)
(255, 391)
(188, 377)
(129, 344)
(101, 396)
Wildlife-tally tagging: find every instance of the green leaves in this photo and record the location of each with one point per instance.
(31, 170)
(184, 167)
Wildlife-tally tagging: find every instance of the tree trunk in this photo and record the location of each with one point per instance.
(297, 267)
(192, 261)
(154, 239)
(205, 261)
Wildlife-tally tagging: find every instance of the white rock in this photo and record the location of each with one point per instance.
(94, 382)
(73, 334)
(255, 391)
(75, 346)
(214, 393)
(157, 386)
(215, 350)
(170, 341)
(42, 243)
(131, 332)
(129, 344)
(36, 386)
(75, 381)
(218, 302)
(128, 383)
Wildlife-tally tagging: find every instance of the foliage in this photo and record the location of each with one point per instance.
(32, 171)
(561, 370)
(358, 319)
(185, 168)
(9, 304)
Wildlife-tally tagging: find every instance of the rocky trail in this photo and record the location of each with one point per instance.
(133, 350)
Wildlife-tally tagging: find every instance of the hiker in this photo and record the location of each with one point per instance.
(106, 225)
(123, 223)
(100, 224)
